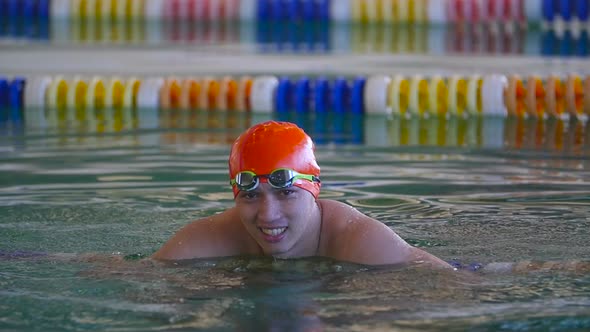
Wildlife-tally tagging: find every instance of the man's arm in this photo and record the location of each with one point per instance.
(362, 239)
(207, 237)
(192, 241)
(374, 243)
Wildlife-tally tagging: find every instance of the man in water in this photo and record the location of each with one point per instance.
(275, 180)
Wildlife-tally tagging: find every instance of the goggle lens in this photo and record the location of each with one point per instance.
(246, 180)
(280, 178)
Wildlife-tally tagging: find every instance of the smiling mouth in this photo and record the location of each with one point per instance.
(273, 231)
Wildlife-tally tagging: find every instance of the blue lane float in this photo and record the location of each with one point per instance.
(263, 10)
(3, 9)
(309, 10)
(322, 95)
(4, 93)
(315, 11)
(582, 8)
(302, 95)
(15, 8)
(29, 10)
(565, 9)
(277, 10)
(17, 88)
(43, 9)
(284, 95)
(4, 99)
(341, 96)
(293, 11)
(25, 18)
(548, 10)
(30, 20)
(581, 49)
(566, 45)
(357, 100)
(323, 10)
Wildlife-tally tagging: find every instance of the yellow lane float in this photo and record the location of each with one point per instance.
(475, 95)
(77, 99)
(457, 96)
(399, 94)
(115, 91)
(130, 95)
(418, 95)
(437, 96)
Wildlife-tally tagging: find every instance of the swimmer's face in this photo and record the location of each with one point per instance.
(279, 220)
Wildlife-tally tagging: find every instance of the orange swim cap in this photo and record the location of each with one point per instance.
(270, 145)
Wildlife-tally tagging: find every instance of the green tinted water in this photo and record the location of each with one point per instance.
(479, 190)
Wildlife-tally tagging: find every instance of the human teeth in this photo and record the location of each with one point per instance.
(273, 231)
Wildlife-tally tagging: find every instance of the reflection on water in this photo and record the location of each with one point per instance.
(219, 127)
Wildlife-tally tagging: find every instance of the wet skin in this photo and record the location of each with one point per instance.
(291, 223)
(284, 222)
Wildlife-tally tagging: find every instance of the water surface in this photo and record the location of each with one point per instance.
(79, 210)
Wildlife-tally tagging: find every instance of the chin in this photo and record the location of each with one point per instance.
(276, 252)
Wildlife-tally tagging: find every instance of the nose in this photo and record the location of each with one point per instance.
(269, 209)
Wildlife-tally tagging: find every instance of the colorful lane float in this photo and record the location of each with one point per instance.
(419, 95)
(46, 100)
(415, 95)
(519, 112)
(291, 37)
(11, 98)
(552, 96)
(570, 12)
(198, 21)
(208, 93)
(358, 11)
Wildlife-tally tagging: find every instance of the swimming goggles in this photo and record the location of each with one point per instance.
(279, 178)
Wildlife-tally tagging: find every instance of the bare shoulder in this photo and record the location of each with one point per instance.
(353, 236)
(345, 220)
(215, 236)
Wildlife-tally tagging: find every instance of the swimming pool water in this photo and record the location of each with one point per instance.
(80, 210)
